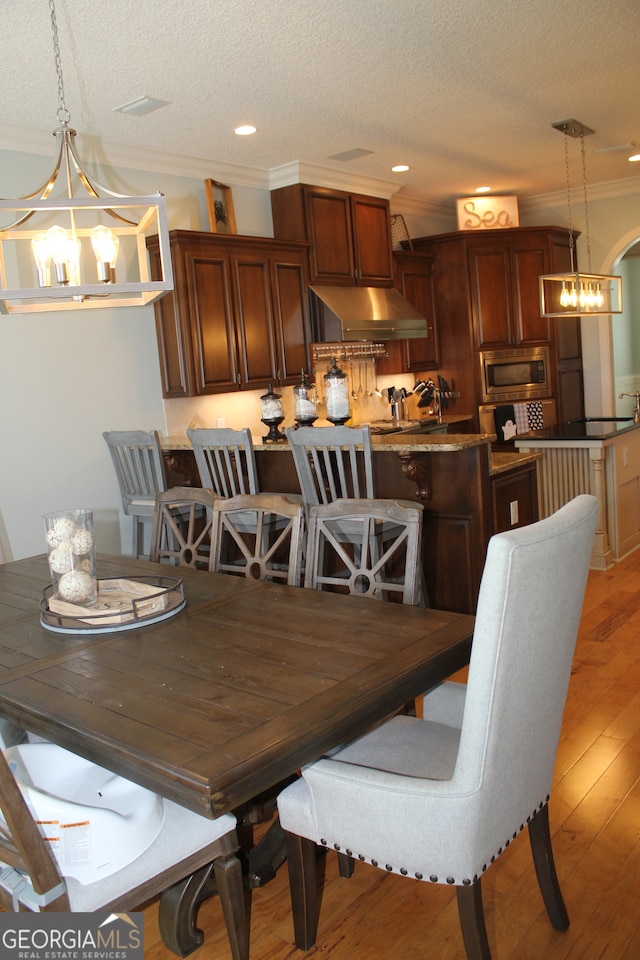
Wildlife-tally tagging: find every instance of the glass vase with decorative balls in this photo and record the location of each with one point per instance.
(304, 395)
(337, 393)
(272, 414)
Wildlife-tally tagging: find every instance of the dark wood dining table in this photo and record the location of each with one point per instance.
(230, 696)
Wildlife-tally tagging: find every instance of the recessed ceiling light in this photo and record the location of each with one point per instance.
(245, 130)
(483, 189)
(400, 168)
(635, 157)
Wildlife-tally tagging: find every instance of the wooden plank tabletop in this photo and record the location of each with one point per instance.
(234, 693)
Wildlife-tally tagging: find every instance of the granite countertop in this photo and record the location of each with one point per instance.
(504, 462)
(391, 442)
(594, 428)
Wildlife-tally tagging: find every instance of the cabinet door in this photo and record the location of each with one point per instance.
(504, 288)
(528, 263)
(291, 318)
(414, 279)
(514, 499)
(490, 295)
(254, 319)
(372, 241)
(330, 231)
(213, 331)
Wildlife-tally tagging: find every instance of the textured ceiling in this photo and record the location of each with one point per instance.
(464, 91)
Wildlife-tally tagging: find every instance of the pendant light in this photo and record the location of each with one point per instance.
(78, 252)
(576, 294)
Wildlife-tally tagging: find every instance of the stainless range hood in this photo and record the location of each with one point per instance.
(366, 313)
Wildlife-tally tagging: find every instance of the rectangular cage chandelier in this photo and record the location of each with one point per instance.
(59, 251)
(573, 293)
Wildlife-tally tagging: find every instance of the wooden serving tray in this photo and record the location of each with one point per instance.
(120, 603)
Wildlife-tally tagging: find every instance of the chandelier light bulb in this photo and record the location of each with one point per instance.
(105, 245)
(42, 256)
(565, 297)
(59, 252)
(73, 261)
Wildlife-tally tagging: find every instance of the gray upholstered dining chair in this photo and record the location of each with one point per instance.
(363, 562)
(259, 536)
(438, 799)
(139, 467)
(184, 853)
(181, 529)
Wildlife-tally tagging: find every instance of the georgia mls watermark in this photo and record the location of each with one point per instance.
(71, 936)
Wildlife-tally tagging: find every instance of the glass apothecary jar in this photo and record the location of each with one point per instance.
(71, 553)
(272, 414)
(304, 396)
(336, 389)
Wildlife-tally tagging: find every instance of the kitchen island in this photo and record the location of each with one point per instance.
(450, 474)
(595, 455)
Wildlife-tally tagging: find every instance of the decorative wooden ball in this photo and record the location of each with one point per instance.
(60, 559)
(76, 586)
(81, 541)
(62, 530)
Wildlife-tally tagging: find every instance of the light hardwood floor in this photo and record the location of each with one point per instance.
(595, 817)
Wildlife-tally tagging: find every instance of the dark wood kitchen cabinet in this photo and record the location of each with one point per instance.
(487, 297)
(503, 267)
(414, 279)
(238, 316)
(503, 274)
(514, 498)
(350, 233)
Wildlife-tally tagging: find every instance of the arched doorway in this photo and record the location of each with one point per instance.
(625, 331)
(603, 337)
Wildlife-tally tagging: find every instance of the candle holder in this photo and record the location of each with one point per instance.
(272, 414)
(306, 412)
(336, 390)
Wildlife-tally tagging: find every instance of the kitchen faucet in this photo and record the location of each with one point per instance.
(636, 412)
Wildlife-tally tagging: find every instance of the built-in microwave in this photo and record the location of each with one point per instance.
(522, 373)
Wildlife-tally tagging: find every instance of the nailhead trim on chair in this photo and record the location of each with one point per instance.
(433, 878)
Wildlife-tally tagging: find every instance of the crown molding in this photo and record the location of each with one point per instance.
(298, 171)
(597, 191)
(421, 207)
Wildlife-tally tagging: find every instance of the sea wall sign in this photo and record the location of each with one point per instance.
(487, 213)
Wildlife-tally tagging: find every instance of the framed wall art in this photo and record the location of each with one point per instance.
(222, 218)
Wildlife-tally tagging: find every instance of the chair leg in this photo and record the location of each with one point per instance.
(540, 838)
(228, 872)
(346, 865)
(138, 537)
(471, 913)
(301, 861)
